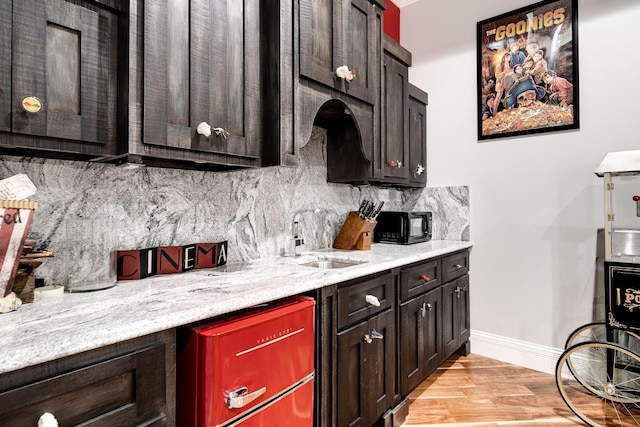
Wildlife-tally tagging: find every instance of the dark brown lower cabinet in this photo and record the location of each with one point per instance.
(366, 370)
(125, 384)
(455, 314)
(435, 323)
(381, 335)
(421, 338)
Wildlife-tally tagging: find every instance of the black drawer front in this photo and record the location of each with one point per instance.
(418, 279)
(454, 266)
(352, 298)
(120, 391)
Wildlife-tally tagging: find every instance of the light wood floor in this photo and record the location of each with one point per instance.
(479, 392)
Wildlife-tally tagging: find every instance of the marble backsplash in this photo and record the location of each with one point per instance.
(82, 204)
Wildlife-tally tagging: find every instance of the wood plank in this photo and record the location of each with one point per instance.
(481, 392)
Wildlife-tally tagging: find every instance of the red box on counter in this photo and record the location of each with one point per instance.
(16, 219)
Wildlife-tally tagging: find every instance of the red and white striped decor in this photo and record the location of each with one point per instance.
(15, 219)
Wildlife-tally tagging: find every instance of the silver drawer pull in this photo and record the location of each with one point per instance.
(241, 397)
(371, 299)
(458, 266)
(425, 307)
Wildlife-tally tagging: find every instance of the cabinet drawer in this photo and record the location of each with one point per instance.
(352, 298)
(419, 278)
(454, 266)
(123, 390)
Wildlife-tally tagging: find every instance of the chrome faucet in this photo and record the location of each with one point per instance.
(297, 237)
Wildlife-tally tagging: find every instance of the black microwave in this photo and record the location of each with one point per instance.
(402, 227)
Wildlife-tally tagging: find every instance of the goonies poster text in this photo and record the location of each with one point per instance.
(528, 71)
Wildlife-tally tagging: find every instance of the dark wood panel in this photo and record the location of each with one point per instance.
(210, 72)
(320, 38)
(120, 390)
(66, 55)
(455, 323)
(420, 338)
(279, 76)
(381, 364)
(411, 345)
(419, 278)
(5, 64)
(433, 348)
(342, 32)
(361, 48)
(352, 304)
(396, 115)
(455, 265)
(326, 359)
(449, 323)
(352, 399)
(464, 325)
(155, 57)
(178, 63)
(29, 65)
(418, 100)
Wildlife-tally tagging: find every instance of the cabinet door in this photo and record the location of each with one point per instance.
(464, 326)
(380, 372)
(65, 54)
(334, 33)
(352, 400)
(417, 137)
(455, 318)
(411, 345)
(396, 114)
(420, 339)
(366, 370)
(433, 347)
(362, 47)
(320, 29)
(202, 64)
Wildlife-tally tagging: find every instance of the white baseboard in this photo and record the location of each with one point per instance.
(521, 353)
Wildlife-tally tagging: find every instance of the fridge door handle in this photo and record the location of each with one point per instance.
(241, 397)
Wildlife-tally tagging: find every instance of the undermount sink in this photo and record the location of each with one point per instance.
(329, 264)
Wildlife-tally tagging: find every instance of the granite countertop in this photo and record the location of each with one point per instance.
(52, 328)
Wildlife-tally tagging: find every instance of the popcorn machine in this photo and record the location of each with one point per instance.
(621, 173)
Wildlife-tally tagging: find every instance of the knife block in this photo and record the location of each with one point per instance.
(355, 233)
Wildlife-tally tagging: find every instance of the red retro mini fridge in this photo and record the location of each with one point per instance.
(252, 369)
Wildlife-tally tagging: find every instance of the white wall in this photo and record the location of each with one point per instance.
(536, 204)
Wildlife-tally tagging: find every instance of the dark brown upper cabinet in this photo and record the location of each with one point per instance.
(59, 59)
(202, 64)
(403, 143)
(395, 140)
(418, 101)
(335, 33)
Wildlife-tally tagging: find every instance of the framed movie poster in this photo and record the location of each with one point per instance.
(528, 70)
